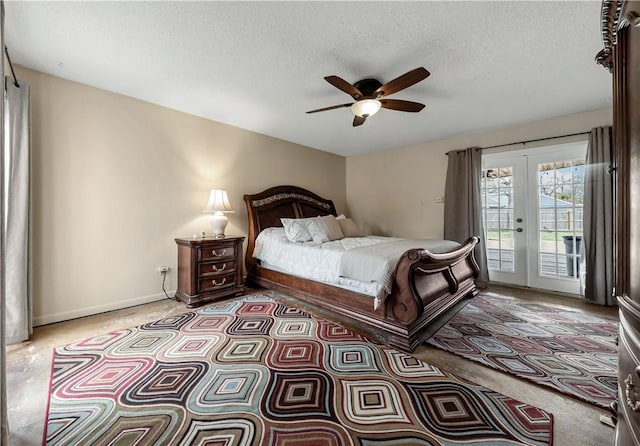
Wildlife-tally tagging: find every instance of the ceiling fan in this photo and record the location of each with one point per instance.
(369, 94)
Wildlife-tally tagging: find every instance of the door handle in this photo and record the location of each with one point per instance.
(519, 220)
(215, 283)
(519, 230)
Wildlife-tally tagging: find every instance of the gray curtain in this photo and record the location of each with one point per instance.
(598, 218)
(463, 203)
(4, 424)
(16, 258)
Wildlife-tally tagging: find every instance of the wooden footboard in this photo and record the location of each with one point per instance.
(425, 285)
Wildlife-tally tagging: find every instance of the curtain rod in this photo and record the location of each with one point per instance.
(534, 140)
(13, 73)
(525, 142)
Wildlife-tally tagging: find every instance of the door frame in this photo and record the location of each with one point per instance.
(560, 152)
(519, 275)
(526, 243)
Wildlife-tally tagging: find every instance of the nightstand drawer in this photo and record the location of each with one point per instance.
(210, 252)
(216, 282)
(215, 268)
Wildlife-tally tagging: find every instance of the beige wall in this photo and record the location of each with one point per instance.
(115, 180)
(394, 192)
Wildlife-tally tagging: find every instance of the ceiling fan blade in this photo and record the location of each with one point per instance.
(400, 105)
(401, 82)
(358, 120)
(345, 86)
(333, 107)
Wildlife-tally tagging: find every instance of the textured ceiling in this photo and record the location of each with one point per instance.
(260, 65)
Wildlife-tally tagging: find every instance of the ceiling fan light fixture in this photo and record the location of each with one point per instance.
(366, 107)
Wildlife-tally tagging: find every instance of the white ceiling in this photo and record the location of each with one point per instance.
(260, 65)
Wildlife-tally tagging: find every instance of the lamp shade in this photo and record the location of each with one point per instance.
(366, 107)
(218, 202)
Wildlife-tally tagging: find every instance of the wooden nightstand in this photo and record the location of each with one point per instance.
(208, 269)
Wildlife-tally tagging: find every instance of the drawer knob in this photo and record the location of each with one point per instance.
(214, 253)
(630, 393)
(216, 269)
(215, 283)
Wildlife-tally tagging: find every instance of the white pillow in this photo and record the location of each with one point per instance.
(349, 227)
(324, 229)
(296, 229)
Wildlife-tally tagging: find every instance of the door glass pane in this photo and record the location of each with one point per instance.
(547, 218)
(560, 200)
(497, 211)
(506, 250)
(506, 219)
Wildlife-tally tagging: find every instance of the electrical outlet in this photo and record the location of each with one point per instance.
(163, 269)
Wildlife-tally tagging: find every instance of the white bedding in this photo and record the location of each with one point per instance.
(323, 261)
(377, 263)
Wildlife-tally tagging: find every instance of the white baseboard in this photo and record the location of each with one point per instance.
(96, 309)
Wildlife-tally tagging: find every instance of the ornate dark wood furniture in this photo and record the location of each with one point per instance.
(208, 269)
(621, 55)
(425, 285)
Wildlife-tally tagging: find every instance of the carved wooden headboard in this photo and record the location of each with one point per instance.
(266, 208)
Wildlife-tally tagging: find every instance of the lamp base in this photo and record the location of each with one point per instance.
(218, 224)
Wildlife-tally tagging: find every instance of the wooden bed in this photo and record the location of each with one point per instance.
(425, 285)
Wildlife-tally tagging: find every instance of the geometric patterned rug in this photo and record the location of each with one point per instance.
(253, 371)
(570, 351)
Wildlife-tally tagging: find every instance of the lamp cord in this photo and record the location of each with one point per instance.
(164, 277)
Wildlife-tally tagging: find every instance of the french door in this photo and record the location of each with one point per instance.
(532, 203)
